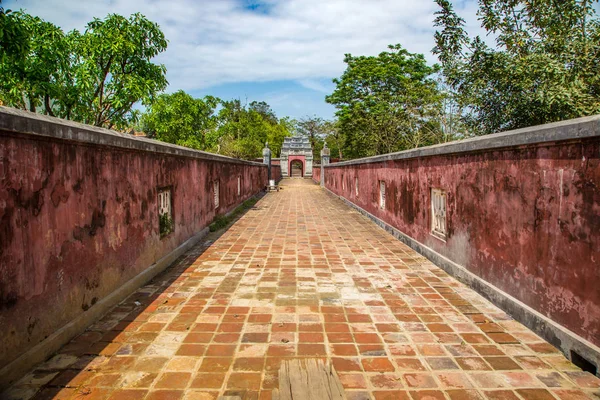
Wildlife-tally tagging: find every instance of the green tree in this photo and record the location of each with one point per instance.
(13, 36)
(115, 68)
(34, 80)
(243, 130)
(335, 139)
(180, 119)
(314, 129)
(543, 67)
(95, 77)
(385, 103)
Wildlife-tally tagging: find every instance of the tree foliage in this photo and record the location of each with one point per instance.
(93, 77)
(386, 103)
(320, 131)
(543, 67)
(180, 119)
(13, 36)
(225, 127)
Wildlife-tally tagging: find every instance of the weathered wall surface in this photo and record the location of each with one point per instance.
(316, 176)
(276, 172)
(523, 211)
(79, 215)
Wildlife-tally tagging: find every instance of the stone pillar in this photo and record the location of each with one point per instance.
(267, 160)
(325, 155)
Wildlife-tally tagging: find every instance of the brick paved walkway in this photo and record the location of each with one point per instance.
(303, 275)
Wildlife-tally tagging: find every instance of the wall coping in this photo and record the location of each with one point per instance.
(25, 122)
(573, 129)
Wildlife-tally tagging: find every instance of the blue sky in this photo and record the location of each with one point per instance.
(284, 52)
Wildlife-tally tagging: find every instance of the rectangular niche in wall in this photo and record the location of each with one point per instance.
(165, 212)
(216, 193)
(239, 185)
(382, 195)
(356, 186)
(438, 213)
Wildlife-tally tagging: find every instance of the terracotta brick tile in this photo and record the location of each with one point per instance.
(208, 380)
(391, 395)
(311, 349)
(204, 327)
(503, 338)
(439, 328)
(454, 380)
(359, 318)
(255, 337)
(474, 338)
(182, 364)
(488, 350)
(346, 364)
(501, 395)
(198, 338)
(165, 395)
(340, 338)
(226, 338)
(353, 381)
(336, 327)
(490, 327)
(231, 327)
(489, 380)
(584, 379)
(284, 327)
(214, 364)
(344, 349)
(420, 380)
(377, 365)
(431, 350)
(535, 394)
(570, 394)
(191, 350)
(402, 350)
(409, 364)
(441, 363)
(502, 363)
(532, 362)
(310, 337)
(281, 350)
(462, 394)
(220, 350)
(386, 381)
(472, 363)
(259, 318)
(173, 380)
(151, 327)
(334, 318)
(148, 364)
(128, 394)
(367, 338)
(244, 380)
(249, 364)
(310, 328)
(372, 350)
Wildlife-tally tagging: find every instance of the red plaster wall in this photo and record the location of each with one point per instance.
(78, 220)
(526, 219)
(276, 172)
(316, 176)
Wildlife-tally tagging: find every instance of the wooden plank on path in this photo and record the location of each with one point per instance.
(308, 379)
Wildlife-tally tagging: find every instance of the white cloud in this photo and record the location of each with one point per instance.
(212, 42)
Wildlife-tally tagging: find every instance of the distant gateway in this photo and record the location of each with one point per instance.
(296, 157)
